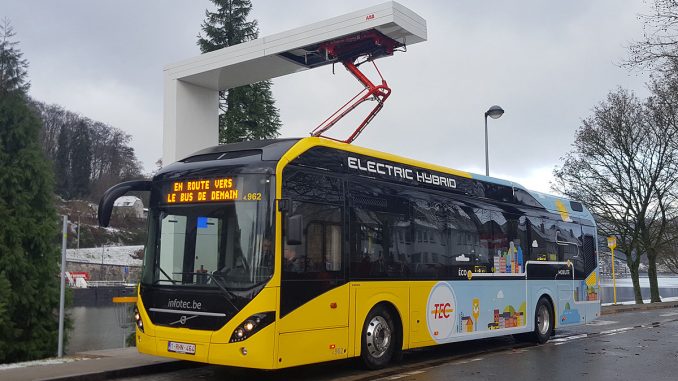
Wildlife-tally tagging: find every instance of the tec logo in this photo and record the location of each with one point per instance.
(440, 312)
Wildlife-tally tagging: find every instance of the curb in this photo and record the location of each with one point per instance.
(141, 370)
(610, 310)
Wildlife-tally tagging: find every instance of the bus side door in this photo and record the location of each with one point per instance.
(314, 293)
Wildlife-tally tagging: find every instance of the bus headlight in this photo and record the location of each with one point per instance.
(252, 325)
(137, 319)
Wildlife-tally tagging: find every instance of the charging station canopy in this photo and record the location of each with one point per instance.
(191, 87)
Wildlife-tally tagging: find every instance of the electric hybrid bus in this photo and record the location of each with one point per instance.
(277, 253)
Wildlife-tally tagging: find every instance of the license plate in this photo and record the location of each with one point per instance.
(186, 348)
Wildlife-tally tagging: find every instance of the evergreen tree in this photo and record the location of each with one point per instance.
(62, 164)
(13, 67)
(28, 227)
(81, 161)
(247, 112)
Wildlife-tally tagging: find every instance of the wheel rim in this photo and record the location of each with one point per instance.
(543, 319)
(378, 337)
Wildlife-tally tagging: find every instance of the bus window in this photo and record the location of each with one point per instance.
(378, 252)
(333, 247)
(462, 234)
(589, 249)
(320, 249)
(303, 185)
(485, 222)
(428, 253)
(569, 244)
(381, 231)
(509, 237)
(172, 244)
(543, 239)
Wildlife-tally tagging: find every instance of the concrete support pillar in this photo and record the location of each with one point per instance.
(191, 119)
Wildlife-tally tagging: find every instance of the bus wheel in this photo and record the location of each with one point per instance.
(543, 321)
(379, 338)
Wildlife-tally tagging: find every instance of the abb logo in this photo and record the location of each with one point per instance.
(442, 310)
(369, 17)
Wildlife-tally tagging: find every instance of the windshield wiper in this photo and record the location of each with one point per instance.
(166, 276)
(228, 293)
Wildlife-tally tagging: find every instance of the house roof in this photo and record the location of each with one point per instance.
(126, 201)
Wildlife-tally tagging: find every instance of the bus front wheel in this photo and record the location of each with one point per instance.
(379, 338)
(543, 321)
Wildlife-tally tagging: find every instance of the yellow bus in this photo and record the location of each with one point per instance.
(278, 253)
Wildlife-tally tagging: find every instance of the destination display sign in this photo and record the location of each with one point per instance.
(210, 190)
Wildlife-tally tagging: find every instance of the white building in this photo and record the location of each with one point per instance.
(129, 206)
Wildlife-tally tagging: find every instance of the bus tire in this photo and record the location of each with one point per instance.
(543, 321)
(379, 338)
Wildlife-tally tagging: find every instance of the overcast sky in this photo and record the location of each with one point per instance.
(546, 63)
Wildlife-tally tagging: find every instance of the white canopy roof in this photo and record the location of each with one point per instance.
(192, 85)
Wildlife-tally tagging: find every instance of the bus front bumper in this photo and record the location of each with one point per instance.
(256, 351)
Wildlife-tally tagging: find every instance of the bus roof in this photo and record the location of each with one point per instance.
(275, 149)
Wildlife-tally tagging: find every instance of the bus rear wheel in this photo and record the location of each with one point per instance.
(379, 338)
(543, 321)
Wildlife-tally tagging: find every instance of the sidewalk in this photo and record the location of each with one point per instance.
(93, 366)
(114, 363)
(617, 308)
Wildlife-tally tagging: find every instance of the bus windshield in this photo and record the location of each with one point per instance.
(214, 232)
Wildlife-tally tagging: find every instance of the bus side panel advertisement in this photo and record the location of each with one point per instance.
(460, 308)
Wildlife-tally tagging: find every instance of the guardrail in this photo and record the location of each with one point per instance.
(109, 283)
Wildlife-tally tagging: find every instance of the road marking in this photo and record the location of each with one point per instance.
(567, 339)
(603, 322)
(669, 314)
(468, 361)
(399, 376)
(615, 331)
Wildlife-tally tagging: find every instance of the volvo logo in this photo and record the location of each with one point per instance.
(183, 319)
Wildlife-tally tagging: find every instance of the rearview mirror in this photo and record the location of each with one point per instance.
(295, 229)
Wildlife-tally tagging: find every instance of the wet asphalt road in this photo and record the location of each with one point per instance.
(639, 345)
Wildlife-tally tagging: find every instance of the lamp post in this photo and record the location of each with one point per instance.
(493, 112)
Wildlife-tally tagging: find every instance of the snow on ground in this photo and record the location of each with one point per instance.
(50, 361)
(112, 255)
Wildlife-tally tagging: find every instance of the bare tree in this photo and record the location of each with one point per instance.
(112, 158)
(668, 252)
(662, 174)
(663, 112)
(621, 167)
(659, 44)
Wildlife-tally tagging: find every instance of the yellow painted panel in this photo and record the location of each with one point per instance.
(183, 335)
(419, 298)
(300, 348)
(318, 312)
(259, 351)
(145, 343)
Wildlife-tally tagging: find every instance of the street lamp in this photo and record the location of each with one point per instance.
(493, 112)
